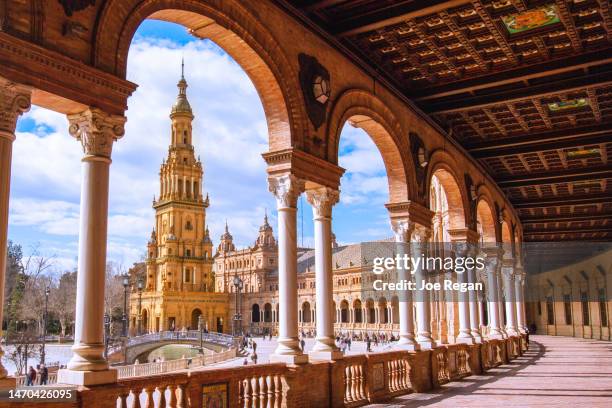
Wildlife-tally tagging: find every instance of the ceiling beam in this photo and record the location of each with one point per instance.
(392, 15)
(561, 176)
(523, 73)
(589, 230)
(536, 138)
(467, 102)
(564, 201)
(542, 146)
(570, 218)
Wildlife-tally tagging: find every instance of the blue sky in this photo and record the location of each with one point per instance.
(229, 134)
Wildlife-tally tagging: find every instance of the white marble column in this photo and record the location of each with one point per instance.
(418, 248)
(14, 100)
(473, 299)
(519, 295)
(322, 200)
(509, 286)
(465, 331)
(96, 130)
(491, 263)
(286, 189)
(500, 297)
(402, 230)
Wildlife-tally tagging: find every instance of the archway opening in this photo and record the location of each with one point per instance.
(195, 319)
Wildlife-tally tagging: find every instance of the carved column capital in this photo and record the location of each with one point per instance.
(96, 130)
(322, 200)
(402, 229)
(14, 100)
(420, 234)
(286, 189)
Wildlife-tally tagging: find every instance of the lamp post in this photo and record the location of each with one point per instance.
(44, 334)
(238, 284)
(139, 285)
(106, 333)
(201, 329)
(126, 283)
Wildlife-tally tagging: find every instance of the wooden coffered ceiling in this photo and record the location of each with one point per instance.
(525, 86)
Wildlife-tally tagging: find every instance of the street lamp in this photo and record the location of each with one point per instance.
(126, 283)
(107, 321)
(201, 329)
(139, 285)
(238, 284)
(44, 334)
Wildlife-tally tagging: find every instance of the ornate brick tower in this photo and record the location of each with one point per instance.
(179, 282)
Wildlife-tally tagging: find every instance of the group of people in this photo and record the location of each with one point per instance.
(41, 372)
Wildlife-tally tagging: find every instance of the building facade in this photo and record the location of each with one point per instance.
(178, 284)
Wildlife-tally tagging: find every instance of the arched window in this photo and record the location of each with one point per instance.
(188, 225)
(187, 277)
(188, 252)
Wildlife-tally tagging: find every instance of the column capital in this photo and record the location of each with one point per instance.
(286, 189)
(14, 100)
(96, 130)
(322, 200)
(402, 229)
(420, 234)
(412, 211)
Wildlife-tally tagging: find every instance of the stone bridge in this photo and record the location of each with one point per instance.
(143, 345)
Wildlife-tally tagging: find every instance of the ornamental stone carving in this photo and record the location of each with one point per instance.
(402, 229)
(14, 100)
(322, 200)
(286, 189)
(96, 130)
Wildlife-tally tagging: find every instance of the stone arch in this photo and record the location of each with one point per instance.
(486, 222)
(344, 311)
(195, 317)
(507, 240)
(366, 111)
(255, 316)
(382, 309)
(232, 26)
(370, 311)
(306, 313)
(357, 310)
(442, 167)
(267, 313)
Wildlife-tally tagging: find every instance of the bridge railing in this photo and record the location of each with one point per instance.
(221, 339)
(146, 369)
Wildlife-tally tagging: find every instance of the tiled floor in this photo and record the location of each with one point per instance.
(555, 372)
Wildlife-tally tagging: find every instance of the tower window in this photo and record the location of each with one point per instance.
(188, 252)
(188, 225)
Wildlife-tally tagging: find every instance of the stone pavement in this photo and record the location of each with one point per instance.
(555, 372)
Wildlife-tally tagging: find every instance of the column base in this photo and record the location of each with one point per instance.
(465, 338)
(65, 376)
(477, 337)
(289, 358)
(426, 344)
(495, 336)
(326, 355)
(408, 346)
(8, 383)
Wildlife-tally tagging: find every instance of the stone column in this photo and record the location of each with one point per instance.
(491, 263)
(96, 130)
(509, 288)
(465, 331)
(322, 200)
(500, 297)
(286, 189)
(402, 229)
(418, 248)
(473, 299)
(519, 287)
(14, 100)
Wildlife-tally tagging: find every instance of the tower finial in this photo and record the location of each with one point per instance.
(266, 216)
(183, 68)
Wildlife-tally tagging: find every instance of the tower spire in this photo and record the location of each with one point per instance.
(182, 104)
(183, 68)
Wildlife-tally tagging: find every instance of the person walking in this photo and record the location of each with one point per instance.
(44, 374)
(31, 376)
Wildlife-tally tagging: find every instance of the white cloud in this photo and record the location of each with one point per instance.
(230, 133)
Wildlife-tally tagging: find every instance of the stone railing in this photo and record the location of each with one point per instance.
(140, 370)
(51, 379)
(349, 382)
